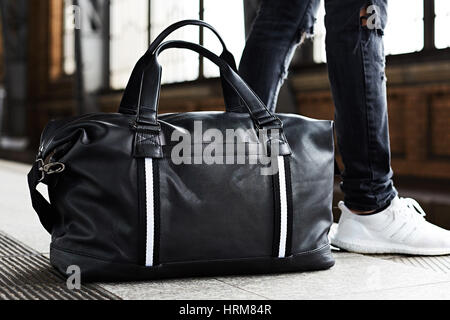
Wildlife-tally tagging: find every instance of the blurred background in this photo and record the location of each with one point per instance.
(60, 58)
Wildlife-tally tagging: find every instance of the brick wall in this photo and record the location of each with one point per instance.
(419, 117)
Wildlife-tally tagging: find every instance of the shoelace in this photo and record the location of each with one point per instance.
(411, 209)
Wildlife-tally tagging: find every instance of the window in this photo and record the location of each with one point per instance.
(405, 30)
(228, 18)
(319, 53)
(442, 23)
(69, 38)
(133, 24)
(178, 65)
(128, 38)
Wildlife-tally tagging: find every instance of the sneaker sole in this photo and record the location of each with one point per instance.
(374, 249)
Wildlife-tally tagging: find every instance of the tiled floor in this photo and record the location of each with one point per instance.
(353, 277)
(27, 274)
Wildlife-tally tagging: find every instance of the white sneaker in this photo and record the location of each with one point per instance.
(399, 229)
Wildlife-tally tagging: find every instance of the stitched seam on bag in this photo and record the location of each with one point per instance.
(311, 251)
(190, 261)
(317, 180)
(56, 247)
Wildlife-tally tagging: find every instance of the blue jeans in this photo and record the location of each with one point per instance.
(356, 64)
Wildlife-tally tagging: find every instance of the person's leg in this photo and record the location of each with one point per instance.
(279, 27)
(356, 62)
(356, 69)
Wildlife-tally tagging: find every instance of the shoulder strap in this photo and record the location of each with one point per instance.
(44, 210)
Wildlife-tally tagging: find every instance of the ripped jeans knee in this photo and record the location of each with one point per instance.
(305, 30)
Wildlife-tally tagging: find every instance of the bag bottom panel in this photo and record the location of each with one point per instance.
(93, 269)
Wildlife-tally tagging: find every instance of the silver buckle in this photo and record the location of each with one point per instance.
(50, 168)
(41, 164)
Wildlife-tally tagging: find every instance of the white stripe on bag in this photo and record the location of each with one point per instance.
(283, 209)
(150, 213)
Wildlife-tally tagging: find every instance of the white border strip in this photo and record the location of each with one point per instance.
(283, 211)
(149, 243)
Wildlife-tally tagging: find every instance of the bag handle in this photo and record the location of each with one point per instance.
(129, 103)
(147, 142)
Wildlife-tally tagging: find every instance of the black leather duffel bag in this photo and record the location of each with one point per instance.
(121, 207)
